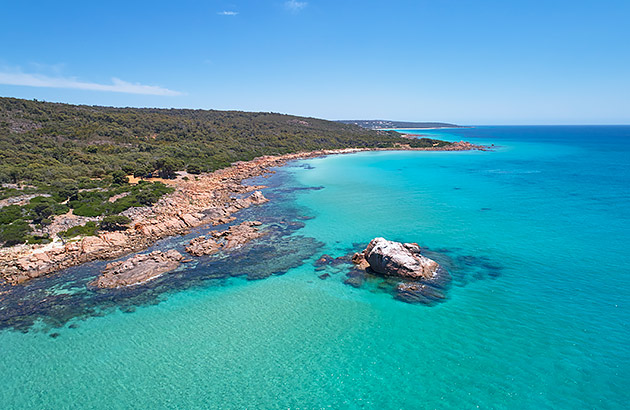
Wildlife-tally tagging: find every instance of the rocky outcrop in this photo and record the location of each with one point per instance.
(233, 237)
(398, 259)
(257, 198)
(408, 275)
(202, 245)
(359, 260)
(239, 235)
(20, 199)
(414, 292)
(138, 269)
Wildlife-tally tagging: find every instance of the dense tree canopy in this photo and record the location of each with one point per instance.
(46, 142)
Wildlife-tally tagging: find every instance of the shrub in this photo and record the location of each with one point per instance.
(115, 223)
(89, 229)
(65, 189)
(41, 211)
(193, 169)
(167, 167)
(33, 239)
(119, 178)
(9, 214)
(15, 233)
(88, 210)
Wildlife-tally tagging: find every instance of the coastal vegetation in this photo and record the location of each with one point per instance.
(60, 157)
(87, 198)
(43, 142)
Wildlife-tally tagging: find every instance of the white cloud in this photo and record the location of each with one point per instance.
(227, 13)
(295, 5)
(117, 85)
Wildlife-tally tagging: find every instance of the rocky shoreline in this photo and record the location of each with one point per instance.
(207, 199)
(143, 268)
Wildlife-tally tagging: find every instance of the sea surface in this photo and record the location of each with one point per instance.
(534, 233)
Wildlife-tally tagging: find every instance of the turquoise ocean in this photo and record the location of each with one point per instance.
(534, 233)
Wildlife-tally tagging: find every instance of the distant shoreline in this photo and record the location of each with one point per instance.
(390, 124)
(429, 128)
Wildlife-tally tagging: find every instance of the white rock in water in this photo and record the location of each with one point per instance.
(399, 259)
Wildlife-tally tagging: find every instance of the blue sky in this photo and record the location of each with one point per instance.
(468, 62)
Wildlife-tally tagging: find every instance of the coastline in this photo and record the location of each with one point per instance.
(208, 199)
(426, 128)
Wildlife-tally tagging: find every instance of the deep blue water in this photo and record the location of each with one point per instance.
(534, 234)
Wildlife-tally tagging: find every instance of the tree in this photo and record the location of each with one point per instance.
(67, 189)
(42, 211)
(14, 174)
(167, 167)
(193, 169)
(115, 223)
(128, 168)
(15, 233)
(142, 171)
(119, 178)
(9, 214)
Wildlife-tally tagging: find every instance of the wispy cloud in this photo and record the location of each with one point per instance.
(295, 5)
(117, 85)
(56, 69)
(227, 13)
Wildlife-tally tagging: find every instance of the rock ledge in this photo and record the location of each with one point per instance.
(233, 237)
(138, 269)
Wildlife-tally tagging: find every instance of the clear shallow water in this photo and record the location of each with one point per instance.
(535, 234)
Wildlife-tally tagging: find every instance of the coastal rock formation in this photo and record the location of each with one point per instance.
(355, 278)
(400, 269)
(205, 199)
(359, 260)
(138, 269)
(239, 235)
(201, 245)
(209, 199)
(398, 259)
(257, 198)
(233, 237)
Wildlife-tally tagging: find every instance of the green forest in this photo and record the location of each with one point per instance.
(45, 142)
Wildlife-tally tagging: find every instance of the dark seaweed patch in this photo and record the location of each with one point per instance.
(463, 267)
